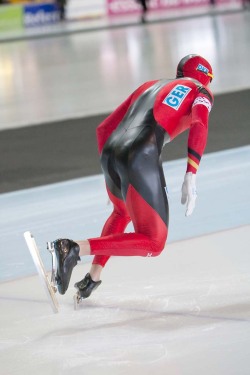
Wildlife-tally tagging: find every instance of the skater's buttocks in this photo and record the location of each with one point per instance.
(130, 152)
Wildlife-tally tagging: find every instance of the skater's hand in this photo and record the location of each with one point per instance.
(189, 193)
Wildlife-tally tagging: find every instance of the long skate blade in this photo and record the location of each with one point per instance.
(76, 302)
(34, 252)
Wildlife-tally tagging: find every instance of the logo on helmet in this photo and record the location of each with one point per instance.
(202, 69)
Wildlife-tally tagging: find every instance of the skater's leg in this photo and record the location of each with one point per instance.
(116, 223)
(96, 269)
(149, 237)
(144, 10)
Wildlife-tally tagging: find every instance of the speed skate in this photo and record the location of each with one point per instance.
(49, 284)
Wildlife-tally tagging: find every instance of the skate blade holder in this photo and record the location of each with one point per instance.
(77, 300)
(51, 249)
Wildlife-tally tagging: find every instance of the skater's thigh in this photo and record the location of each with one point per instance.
(147, 188)
(119, 204)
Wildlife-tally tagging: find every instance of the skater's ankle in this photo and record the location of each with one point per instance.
(95, 272)
(95, 276)
(84, 247)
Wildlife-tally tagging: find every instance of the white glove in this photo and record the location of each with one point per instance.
(188, 191)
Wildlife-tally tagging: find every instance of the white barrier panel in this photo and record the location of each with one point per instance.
(80, 9)
(122, 7)
(77, 9)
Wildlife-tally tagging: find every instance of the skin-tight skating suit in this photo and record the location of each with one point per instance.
(130, 143)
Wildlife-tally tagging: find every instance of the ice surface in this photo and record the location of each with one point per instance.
(186, 312)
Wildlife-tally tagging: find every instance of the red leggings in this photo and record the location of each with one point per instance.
(150, 230)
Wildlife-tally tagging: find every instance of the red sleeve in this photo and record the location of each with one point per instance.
(198, 133)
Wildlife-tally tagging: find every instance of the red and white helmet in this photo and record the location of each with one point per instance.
(195, 66)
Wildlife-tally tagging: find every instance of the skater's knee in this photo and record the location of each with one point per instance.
(158, 243)
(157, 247)
(121, 213)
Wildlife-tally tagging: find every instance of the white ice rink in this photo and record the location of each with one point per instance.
(186, 312)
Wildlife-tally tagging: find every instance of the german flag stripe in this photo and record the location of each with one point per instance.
(194, 153)
(191, 162)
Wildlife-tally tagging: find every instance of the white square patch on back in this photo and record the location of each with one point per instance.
(176, 96)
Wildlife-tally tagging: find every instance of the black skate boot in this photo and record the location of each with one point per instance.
(67, 254)
(86, 286)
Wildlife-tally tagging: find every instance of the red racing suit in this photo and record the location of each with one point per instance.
(130, 143)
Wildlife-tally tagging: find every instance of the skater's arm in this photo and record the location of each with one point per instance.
(198, 132)
(197, 140)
